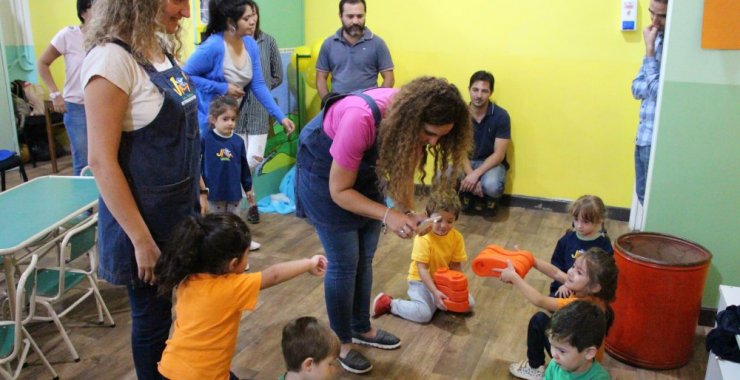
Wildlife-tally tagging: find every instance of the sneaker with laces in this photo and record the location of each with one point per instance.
(383, 340)
(253, 246)
(355, 362)
(381, 305)
(253, 215)
(522, 370)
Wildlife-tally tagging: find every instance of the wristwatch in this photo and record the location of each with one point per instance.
(54, 95)
(204, 191)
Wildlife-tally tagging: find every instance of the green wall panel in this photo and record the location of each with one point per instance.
(283, 19)
(695, 188)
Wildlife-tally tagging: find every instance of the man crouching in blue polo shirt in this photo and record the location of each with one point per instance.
(485, 171)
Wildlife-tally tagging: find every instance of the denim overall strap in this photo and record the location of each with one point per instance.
(161, 165)
(313, 164)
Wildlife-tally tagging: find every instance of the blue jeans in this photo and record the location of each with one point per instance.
(76, 125)
(492, 181)
(151, 318)
(349, 277)
(642, 159)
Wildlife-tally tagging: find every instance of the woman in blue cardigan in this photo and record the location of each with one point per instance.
(227, 62)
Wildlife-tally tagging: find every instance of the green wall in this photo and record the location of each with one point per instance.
(695, 182)
(283, 19)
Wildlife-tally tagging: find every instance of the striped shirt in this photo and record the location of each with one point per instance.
(254, 119)
(645, 88)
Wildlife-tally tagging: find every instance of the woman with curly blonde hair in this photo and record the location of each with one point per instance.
(144, 150)
(348, 159)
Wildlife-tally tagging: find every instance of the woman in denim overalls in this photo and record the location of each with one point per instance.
(144, 152)
(343, 198)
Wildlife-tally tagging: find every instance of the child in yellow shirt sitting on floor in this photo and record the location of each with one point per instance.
(443, 247)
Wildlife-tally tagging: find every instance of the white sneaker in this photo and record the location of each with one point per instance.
(522, 370)
(253, 246)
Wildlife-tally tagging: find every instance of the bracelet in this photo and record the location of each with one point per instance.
(385, 217)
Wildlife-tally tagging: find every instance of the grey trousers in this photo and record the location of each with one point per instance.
(420, 307)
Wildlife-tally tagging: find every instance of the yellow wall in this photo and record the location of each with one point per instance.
(48, 17)
(563, 71)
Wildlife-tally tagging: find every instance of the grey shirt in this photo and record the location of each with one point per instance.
(354, 67)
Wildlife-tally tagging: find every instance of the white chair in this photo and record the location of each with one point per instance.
(15, 341)
(54, 282)
(86, 172)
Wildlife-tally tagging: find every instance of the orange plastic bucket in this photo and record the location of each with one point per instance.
(496, 257)
(660, 285)
(454, 285)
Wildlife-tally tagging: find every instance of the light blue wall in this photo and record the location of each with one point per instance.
(21, 63)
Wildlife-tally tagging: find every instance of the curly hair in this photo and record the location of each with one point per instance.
(425, 100)
(136, 22)
(201, 245)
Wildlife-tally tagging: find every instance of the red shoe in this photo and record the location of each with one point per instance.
(381, 305)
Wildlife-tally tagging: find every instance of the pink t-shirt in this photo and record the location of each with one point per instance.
(70, 43)
(350, 125)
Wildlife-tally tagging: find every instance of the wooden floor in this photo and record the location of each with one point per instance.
(478, 346)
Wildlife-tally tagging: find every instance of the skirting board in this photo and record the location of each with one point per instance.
(707, 316)
(621, 214)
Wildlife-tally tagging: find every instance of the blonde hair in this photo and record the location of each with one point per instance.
(425, 100)
(590, 207)
(135, 22)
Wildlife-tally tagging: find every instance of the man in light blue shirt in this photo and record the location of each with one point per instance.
(353, 55)
(645, 88)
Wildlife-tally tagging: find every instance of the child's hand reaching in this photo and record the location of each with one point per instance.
(439, 298)
(563, 292)
(508, 274)
(318, 265)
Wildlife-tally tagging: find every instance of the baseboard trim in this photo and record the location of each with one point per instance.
(707, 316)
(621, 214)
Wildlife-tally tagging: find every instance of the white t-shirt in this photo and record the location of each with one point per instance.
(70, 42)
(115, 64)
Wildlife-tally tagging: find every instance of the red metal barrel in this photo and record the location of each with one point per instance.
(659, 291)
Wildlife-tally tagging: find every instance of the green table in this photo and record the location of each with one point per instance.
(33, 209)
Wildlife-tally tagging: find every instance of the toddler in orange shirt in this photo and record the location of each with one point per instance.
(204, 263)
